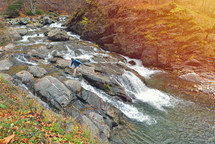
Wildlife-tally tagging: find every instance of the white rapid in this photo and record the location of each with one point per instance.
(129, 110)
(132, 84)
(21, 58)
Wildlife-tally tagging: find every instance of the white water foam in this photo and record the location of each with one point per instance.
(129, 110)
(56, 25)
(145, 72)
(26, 37)
(71, 54)
(74, 35)
(22, 59)
(156, 98)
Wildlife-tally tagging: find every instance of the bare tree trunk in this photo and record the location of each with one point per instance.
(32, 6)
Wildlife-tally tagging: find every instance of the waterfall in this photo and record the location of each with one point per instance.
(133, 84)
(129, 110)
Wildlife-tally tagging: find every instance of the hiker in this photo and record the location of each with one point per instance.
(76, 63)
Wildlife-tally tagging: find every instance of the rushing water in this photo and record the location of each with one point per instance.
(154, 116)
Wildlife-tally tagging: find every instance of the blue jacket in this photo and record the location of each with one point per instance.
(76, 63)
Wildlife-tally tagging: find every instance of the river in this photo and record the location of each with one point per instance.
(155, 115)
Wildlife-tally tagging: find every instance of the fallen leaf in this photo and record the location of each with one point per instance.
(6, 140)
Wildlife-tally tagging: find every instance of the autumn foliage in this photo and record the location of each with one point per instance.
(24, 120)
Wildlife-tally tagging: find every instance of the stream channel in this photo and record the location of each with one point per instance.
(156, 115)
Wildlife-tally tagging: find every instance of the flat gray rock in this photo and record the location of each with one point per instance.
(24, 76)
(54, 91)
(5, 64)
(37, 71)
(73, 85)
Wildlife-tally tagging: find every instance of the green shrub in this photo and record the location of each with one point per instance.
(39, 11)
(14, 8)
(29, 13)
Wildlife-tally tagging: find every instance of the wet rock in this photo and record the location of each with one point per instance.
(14, 21)
(73, 85)
(192, 62)
(6, 76)
(22, 31)
(5, 64)
(193, 77)
(24, 76)
(39, 52)
(56, 54)
(53, 60)
(98, 119)
(61, 63)
(13, 34)
(34, 25)
(7, 47)
(46, 20)
(88, 124)
(24, 21)
(58, 35)
(53, 91)
(132, 62)
(102, 81)
(37, 71)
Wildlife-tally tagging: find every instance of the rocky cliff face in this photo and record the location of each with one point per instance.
(162, 36)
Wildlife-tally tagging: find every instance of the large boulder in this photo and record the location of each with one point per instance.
(24, 21)
(5, 64)
(61, 63)
(24, 76)
(53, 91)
(34, 25)
(104, 129)
(73, 85)
(58, 35)
(37, 71)
(46, 20)
(22, 31)
(13, 34)
(38, 52)
(102, 81)
(10, 46)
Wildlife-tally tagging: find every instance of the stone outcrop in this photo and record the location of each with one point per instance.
(74, 86)
(24, 76)
(58, 35)
(160, 37)
(53, 91)
(61, 63)
(5, 64)
(37, 71)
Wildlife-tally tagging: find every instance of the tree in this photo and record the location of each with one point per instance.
(14, 8)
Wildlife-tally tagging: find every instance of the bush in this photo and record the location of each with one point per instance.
(14, 9)
(29, 13)
(39, 11)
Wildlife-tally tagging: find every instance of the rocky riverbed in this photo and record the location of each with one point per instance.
(110, 94)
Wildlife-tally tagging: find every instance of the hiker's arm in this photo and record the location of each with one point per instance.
(79, 62)
(71, 64)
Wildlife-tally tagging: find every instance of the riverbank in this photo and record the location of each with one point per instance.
(24, 120)
(112, 94)
(171, 37)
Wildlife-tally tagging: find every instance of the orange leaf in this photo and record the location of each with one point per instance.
(7, 139)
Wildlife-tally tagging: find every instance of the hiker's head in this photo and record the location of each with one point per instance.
(72, 59)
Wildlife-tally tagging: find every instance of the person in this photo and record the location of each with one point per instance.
(76, 64)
